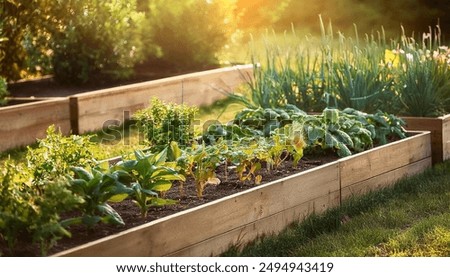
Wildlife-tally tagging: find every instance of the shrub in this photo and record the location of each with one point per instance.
(28, 215)
(189, 33)
(95, 37)
(164, 123)
(55, 155)
(3, 91)
(24, 38)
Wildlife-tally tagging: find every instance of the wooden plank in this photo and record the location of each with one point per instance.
(385, 158)
(208, 89)
(270, 225)
(190, 227)
(97, 107)
(436, 127)
(423, 123)
(23, 124)
(385, 179)
(446, 137)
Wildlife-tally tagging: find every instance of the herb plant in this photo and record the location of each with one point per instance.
(166, 122)
(33, 216)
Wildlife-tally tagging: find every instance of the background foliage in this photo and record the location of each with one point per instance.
(76, 40)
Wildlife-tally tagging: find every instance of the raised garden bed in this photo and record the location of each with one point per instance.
(91, 111)
(211, 228)
(22, 124)
(440, 134)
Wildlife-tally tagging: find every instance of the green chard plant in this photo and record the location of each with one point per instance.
(149, 176)
(201, 162)
(97, 188)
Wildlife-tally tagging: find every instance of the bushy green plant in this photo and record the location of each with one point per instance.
(190, 33)
(3, 91)
(55, 154)
(18, 20)
(423, 84)
(32, 216)
(166, 122)
(92, 38)
(359, 81)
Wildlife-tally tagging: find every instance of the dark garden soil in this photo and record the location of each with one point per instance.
(187, 199)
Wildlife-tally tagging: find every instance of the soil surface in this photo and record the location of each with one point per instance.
(186, 199)
(47, 87)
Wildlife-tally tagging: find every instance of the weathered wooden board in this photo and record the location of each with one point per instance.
(91, 111)
(385, 179)
(440, 134)
(270, 225)
(374, 162)
(183, 230)
(22, 124)
(446, 137)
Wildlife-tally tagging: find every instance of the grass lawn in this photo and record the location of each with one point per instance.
(410, 219)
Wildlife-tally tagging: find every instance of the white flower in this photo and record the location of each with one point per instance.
(409, 57)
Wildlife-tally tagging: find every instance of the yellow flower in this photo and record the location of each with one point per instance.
(391, 58)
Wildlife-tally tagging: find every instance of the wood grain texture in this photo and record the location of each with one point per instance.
(270, 225)
(22, 124)
(446, 137)
(386, 179)
(97, 108)
(440, 134)
(362, 166)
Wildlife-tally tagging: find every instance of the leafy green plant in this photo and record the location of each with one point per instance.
(210, 28)
(247, 156)
(383, 126)
(200, 162)
(267, 120)
(167, 122)
(32, 216)
(292, 139)
(97, 188)
(150, 176)
(230, 132)
(55, 154)
(333, 131)
(3, 91)
(92, 38)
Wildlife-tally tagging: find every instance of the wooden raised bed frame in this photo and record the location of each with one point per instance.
(22, 124)
(80, 113)
(212, 228)
(440, 134)
(92, 110)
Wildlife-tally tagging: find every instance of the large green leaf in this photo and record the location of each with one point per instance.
(112, 216)
(161, 185)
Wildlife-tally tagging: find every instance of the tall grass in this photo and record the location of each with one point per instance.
(367, 74)
(423, 76)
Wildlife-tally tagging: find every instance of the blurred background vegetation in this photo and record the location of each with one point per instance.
(81, 41)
